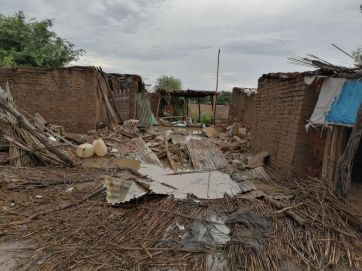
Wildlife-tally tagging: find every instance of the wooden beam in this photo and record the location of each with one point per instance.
(198, 103)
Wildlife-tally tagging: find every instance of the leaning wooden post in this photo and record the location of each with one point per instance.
(198, 103)
(345, 162)
(173, 106)
(217, 83)
(215, 97)
(183, 109)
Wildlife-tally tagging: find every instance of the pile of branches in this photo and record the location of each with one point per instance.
(28, 146)
(147, 234)
(316, 62)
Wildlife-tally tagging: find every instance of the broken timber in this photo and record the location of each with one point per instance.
(23, 123)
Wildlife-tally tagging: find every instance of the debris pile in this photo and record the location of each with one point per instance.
(166, 198)
(28, 146)
(157, 232)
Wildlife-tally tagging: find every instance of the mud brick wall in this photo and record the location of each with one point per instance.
(65, 96)
(124, 88)
(249, 112)
(241, 107)
(282, 106)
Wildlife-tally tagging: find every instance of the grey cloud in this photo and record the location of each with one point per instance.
(276, 47)
(181, 38)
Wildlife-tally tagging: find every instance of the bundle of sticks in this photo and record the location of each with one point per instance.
(28, 146)
(316, 62)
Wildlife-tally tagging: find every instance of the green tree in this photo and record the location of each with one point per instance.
(168, 82)
(357, 54)
(224, 97)
(31, 43)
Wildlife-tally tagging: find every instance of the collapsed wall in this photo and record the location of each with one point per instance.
(282, 105)
(63, 96)
(124, 88)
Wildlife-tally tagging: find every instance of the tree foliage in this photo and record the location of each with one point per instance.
(168, 82)
(224, 97)
(31, 43)
(357, 54)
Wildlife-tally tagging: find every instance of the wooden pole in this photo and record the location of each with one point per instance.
(217, 70)
(217, 83)
(183, 109)
(198, 103)
(100, 71)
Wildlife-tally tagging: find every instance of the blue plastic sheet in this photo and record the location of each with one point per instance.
(344, 109)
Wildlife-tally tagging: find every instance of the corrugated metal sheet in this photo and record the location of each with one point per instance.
(137, 149)
(144, 113)
(205, 155)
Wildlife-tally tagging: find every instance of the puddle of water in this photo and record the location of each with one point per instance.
(9, 252)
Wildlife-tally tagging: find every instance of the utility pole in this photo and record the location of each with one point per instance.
(217, 83)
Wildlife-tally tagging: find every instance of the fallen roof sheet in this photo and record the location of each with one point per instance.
(205, 155)
(203, 185)
(137, 149)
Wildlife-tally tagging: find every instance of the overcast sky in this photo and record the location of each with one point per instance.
(181, 37)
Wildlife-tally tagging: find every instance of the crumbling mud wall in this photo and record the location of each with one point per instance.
(124, 88)
(241, 107)
(64, 96)
(282, 105)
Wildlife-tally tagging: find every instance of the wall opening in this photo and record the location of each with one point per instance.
(357, 166)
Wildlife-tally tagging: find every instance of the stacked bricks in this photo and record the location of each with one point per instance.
(282, 106)
(64, 96)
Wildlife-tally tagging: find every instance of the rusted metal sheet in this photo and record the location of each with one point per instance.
(144, 113)
(137, 149)
(205, 155)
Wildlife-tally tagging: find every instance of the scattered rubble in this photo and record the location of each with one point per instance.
(168, 197)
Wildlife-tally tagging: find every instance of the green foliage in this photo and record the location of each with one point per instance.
(205, 118)
(357, 54)
(31, 43)
(178, 104)
(168, 82)
(224, 97)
